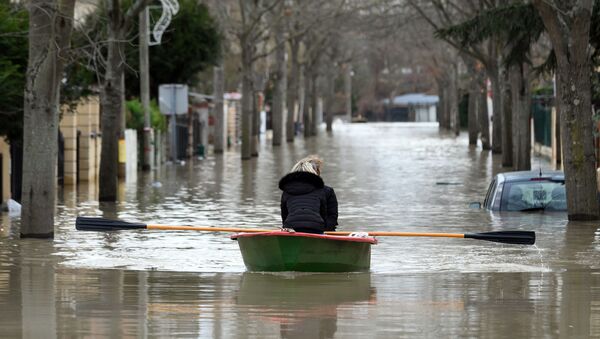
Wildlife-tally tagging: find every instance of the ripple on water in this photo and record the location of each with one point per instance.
(385, 178)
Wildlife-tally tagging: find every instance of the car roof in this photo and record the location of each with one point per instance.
(524, 175)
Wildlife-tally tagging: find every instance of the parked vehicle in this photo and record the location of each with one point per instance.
(526, 191)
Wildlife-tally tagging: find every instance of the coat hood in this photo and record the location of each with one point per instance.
(297, 183)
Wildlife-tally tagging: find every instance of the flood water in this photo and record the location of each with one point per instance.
(387, 177)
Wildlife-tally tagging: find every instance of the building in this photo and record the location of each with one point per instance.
(413, 107)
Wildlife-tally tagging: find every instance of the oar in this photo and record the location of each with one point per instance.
(102, 224)
(507, 237)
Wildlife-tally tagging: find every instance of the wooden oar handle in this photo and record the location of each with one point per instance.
(255, 230)
(207, 228)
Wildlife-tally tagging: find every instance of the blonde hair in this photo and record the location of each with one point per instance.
(311, 164)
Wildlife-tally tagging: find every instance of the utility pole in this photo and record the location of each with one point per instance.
(145, 90)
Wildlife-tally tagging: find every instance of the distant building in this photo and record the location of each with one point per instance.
(413, 107)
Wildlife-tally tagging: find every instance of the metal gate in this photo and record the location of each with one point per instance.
(182, 142)
(541, 111)
(16, 172)
(1, 176)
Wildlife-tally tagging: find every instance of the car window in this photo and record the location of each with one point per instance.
(489, 194)
(534, 194)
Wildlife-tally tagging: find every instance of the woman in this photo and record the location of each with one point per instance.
(307, 205)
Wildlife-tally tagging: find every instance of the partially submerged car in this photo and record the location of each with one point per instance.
(526, 191)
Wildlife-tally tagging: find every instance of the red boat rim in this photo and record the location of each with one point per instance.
(370, 240)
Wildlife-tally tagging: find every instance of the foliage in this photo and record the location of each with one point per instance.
(14, 25)
(517, 26)
(190, 44)
(78, 83)
(135, 116)
(543, 91)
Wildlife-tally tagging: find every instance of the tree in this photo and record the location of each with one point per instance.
(13, 64)
(568, 26)
(280, 75)
(442, 14)
(252, 31)
(191, 44)
(111, 92)
(135, 116)
(516, 27)
(188, 47)
(50, 24)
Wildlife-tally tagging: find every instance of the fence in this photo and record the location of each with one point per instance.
(541, 112)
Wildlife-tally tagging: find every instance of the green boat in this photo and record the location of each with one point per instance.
(304, 252)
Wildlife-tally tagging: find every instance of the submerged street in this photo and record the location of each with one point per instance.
(405, 177)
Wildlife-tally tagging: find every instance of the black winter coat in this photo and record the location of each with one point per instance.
(306, 203)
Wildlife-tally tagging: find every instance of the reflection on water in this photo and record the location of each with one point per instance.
(39, 301)
(303, 305)
(386, 176)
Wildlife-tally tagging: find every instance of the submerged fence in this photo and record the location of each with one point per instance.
(541, 112)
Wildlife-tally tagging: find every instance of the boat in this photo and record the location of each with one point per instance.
(359, 119)
(280, 251)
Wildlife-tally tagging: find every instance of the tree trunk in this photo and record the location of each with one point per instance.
(301, 93)
(482, 105)
(50, 25)
(306, 121)
(494, 75)
(472, 116)
(247, 103)
(453, 101)
(220, 116)
(256, 109)
(329, 98)
(521, 111)
(278, 109)
(569, 32)
(576, 128)
(315, 123)
(442, 103)
(348, 91)
(558, 150)
(472, 107)
(292, 96)
(507, 125)
(145, 89)
(111, 103)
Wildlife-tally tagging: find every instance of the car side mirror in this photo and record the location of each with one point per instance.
(475, 205)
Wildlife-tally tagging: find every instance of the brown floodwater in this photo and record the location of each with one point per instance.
(387, 177)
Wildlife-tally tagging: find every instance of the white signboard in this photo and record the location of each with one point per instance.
(173, 99)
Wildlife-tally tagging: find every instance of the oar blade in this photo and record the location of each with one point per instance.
(507, 237)
(102, 224)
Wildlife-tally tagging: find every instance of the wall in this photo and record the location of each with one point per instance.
(85, 123)
(68, 127)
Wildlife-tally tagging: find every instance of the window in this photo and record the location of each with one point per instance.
(534, 195)
(489, 194)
